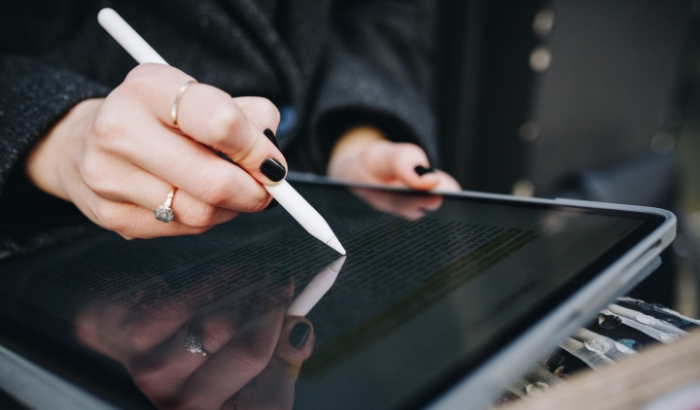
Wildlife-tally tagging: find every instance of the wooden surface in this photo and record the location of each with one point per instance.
(631, 384)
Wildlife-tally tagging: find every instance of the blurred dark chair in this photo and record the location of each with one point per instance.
(560, 98)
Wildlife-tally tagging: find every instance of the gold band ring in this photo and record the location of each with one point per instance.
(176, 103)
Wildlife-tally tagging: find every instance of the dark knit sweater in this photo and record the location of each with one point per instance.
(328, 64)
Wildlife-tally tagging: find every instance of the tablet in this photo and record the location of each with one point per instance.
(440, 302)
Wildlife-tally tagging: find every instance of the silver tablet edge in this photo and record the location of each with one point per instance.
(38, 388)
(481, 388)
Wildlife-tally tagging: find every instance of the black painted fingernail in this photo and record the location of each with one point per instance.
(421, 170)
(273, 169)
(300, 332)
(271, 136)
(272, 205)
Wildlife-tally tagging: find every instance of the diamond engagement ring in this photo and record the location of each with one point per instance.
(193, 343)
(164, 213)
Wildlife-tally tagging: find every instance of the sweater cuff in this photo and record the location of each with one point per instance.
(33, 97)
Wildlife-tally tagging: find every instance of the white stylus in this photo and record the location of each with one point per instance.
(285, 195)
(314, 291)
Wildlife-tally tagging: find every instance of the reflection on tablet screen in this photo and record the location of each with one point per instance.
(431, 286)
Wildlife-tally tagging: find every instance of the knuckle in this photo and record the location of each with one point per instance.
(148, 379)
(92, 174)
(201, 216)
(141, 77)
(216, 192)
(141, 334)
(245, 154)
(111, 218)
(266, 109)
(222, 122)
(254, 359)
(216, 333)
(97, 178)
(106, 131)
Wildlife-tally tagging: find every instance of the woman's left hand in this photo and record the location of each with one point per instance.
(362, 154)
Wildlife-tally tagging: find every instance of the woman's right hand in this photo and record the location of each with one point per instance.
(182, 353)
(118, 158)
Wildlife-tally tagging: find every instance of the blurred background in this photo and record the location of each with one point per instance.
(593, 99)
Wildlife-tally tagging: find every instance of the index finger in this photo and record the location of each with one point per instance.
(211, 117)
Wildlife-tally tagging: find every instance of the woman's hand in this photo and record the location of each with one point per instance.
(246, 354)
(118, 158)
(362, 154)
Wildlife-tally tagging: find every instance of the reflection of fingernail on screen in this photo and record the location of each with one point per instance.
(299, 334)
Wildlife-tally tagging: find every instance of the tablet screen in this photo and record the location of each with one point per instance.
(431, 287)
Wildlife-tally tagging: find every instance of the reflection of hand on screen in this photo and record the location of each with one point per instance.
(181, 356)
(408, 206)
(273, 388)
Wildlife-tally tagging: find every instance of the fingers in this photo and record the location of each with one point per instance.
(227, 354)
(274, 387)
(132, 221)
(129, 208)
(174, 160)
(133, 155)
(447, 183)
(161, 372)
(408, 206)
(211, 117)
(404, 163)
(231, 347)
(206, 116)
(362, 154)
(294, 346)
(237, 363)
(260, 112)
(95, 326)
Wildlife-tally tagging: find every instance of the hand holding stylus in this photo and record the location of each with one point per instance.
(119, 158)
(271, 168)
(143, 161)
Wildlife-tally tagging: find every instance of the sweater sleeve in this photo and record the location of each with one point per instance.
(33, 97)
(378, 72)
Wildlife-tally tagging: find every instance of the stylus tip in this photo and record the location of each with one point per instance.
(337, 264)
(335, 244)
